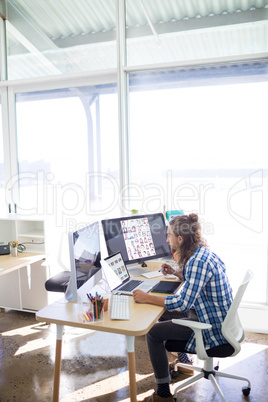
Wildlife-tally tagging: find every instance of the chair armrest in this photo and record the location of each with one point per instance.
(197, 327)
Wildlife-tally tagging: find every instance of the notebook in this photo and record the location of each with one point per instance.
(118, 277)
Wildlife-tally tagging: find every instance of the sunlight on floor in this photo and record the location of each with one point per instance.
(48, 341)
(76, 342)
(247, 350)
(23, 331)
(109, 385)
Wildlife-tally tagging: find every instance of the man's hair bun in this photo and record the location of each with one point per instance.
(193, 218)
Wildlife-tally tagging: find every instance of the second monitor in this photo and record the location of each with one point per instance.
(138, 237)
(84, 250)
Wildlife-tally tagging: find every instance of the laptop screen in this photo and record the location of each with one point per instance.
(115, 270)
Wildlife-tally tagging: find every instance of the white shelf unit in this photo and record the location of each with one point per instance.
(29, 232)
(32, 235)
(7, 230)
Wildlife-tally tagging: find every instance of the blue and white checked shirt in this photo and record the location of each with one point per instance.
(206, 288)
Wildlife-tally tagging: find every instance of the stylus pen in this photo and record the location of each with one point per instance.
(162, 269)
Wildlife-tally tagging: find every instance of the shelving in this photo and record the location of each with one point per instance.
(29, 232)
(7, 230)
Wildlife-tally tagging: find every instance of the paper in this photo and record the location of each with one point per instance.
(155, 274)
(152, 274)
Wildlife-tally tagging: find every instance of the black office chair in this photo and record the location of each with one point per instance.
(59, 282)
(233, 333)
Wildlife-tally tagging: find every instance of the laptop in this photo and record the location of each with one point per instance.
(118, 277)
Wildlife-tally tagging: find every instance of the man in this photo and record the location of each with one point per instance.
(205, 296)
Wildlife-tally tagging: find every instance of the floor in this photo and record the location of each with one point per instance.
(94, 365)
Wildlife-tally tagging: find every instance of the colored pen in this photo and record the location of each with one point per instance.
(81, 318)
(102, 307)
(86, 316)
(162, 269)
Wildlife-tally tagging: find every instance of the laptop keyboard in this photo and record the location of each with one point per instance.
(129, 286)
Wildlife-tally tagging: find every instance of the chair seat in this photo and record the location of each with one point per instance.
(218, 351)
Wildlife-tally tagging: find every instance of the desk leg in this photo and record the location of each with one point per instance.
(57, 368)
(131, 368)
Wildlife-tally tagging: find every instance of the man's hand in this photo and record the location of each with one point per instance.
(168, 270)
(140, 296)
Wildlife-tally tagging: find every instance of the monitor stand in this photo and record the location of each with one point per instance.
(71, 291)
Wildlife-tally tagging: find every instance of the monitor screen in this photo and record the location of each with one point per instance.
(84, 249)
(138, 237)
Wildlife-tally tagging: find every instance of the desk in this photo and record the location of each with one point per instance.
(155, 265)
(143, 317)
(22, 281)
(9, 263)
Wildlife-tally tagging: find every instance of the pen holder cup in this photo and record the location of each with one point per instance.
(91, 312)
(106, 302)
(14, 251)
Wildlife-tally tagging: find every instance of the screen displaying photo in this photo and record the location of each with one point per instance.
(138, 238)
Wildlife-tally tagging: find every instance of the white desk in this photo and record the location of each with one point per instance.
(142, 318)
(61, 313)
(22, 280)
(9, 263)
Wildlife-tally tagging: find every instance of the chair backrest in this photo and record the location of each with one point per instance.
(231, 327)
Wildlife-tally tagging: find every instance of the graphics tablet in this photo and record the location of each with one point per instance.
(166, 287)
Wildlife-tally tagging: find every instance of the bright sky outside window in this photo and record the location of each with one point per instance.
(209, 161)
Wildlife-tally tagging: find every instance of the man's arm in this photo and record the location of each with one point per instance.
(142, 297)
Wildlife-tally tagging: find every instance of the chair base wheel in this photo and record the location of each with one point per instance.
(246, 391)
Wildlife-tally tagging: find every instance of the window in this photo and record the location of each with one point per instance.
(198, 133)
(2, 178)
(67, 152)
(183, 30)
(47, 38)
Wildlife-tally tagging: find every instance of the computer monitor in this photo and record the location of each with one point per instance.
(84, 250)
(139, 237)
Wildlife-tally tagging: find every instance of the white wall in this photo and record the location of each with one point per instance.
(254, 317)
